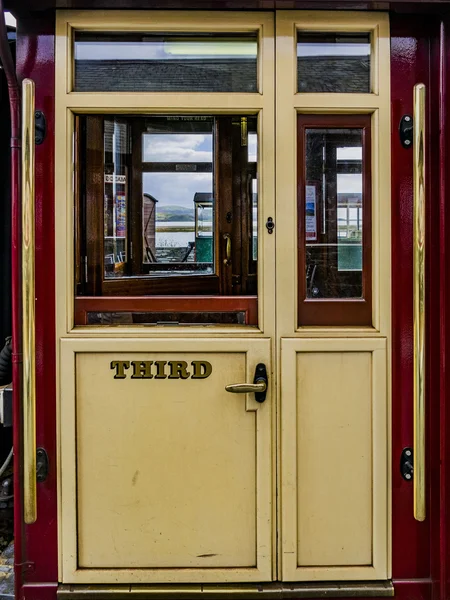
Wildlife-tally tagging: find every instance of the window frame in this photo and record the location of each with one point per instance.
(230, 197)
(335, 311)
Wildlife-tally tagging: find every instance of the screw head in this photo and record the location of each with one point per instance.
(407, 142)
(407, 476)
(408, 452)
(407, 119)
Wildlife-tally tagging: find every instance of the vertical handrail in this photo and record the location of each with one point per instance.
(28, 302)
(419, 302)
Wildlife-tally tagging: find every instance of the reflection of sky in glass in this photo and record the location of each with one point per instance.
(349, 184)
(342, 49)
(176, 189)
(350, 153)
(10, 19)
(165, 50)
(252, 147)
(174, 147)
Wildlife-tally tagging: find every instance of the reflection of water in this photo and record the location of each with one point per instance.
(174, 239)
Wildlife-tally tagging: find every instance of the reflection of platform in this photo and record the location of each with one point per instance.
(7, 573)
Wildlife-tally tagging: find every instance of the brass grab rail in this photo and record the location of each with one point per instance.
(419, 302)
(28, 302)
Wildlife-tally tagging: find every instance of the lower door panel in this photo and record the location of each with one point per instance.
(170, 476)
(334, 459)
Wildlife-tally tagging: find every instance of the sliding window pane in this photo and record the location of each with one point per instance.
(166, 62)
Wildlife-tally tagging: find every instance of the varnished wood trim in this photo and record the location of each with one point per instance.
(335, 311)
(247, 304)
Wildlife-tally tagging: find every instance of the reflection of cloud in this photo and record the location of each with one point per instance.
(349, 184)
(192, 147)
(176, 188)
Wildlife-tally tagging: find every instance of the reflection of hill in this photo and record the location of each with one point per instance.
(174, 213)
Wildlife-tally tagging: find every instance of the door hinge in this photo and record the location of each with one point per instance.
(41, 465)
(407, 464)
(406, 131)
(40, 127)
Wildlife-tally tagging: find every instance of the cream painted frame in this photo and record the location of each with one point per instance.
(257, 351)
(68, 103)
(290, 103)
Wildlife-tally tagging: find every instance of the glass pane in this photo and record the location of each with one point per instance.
(252, 158)
(166, 205)
(167, 318)
(116, 148)
(179, 229)
(333, 62)
(150, 62)
(334, 213)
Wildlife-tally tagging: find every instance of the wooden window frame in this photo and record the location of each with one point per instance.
(335, 311)
(231, 189)
(168, 304)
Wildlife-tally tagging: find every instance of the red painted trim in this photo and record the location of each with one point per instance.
(39, 591)
(14, 102)
(410, 56)
(35, 59)
(413, 589)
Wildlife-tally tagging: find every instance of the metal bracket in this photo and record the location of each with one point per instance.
(40, 127)
(406, 131)
(41, 465)
(407, 464)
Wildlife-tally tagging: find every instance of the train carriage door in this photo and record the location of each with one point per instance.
(223, 298)
(167, 328)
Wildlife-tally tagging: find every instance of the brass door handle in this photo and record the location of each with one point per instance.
(227, 259)
(258, 387)
(246, 388)
(28, 302)
(419, 301)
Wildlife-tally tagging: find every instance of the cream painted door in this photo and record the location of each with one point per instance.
(166, 477)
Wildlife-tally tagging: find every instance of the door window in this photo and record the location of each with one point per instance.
(167, 205)
(334, 203)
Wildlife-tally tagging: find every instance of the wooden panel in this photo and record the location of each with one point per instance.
(334, 459)
(166, 477)
(169, 479)
(247, 304)
(334, 441)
